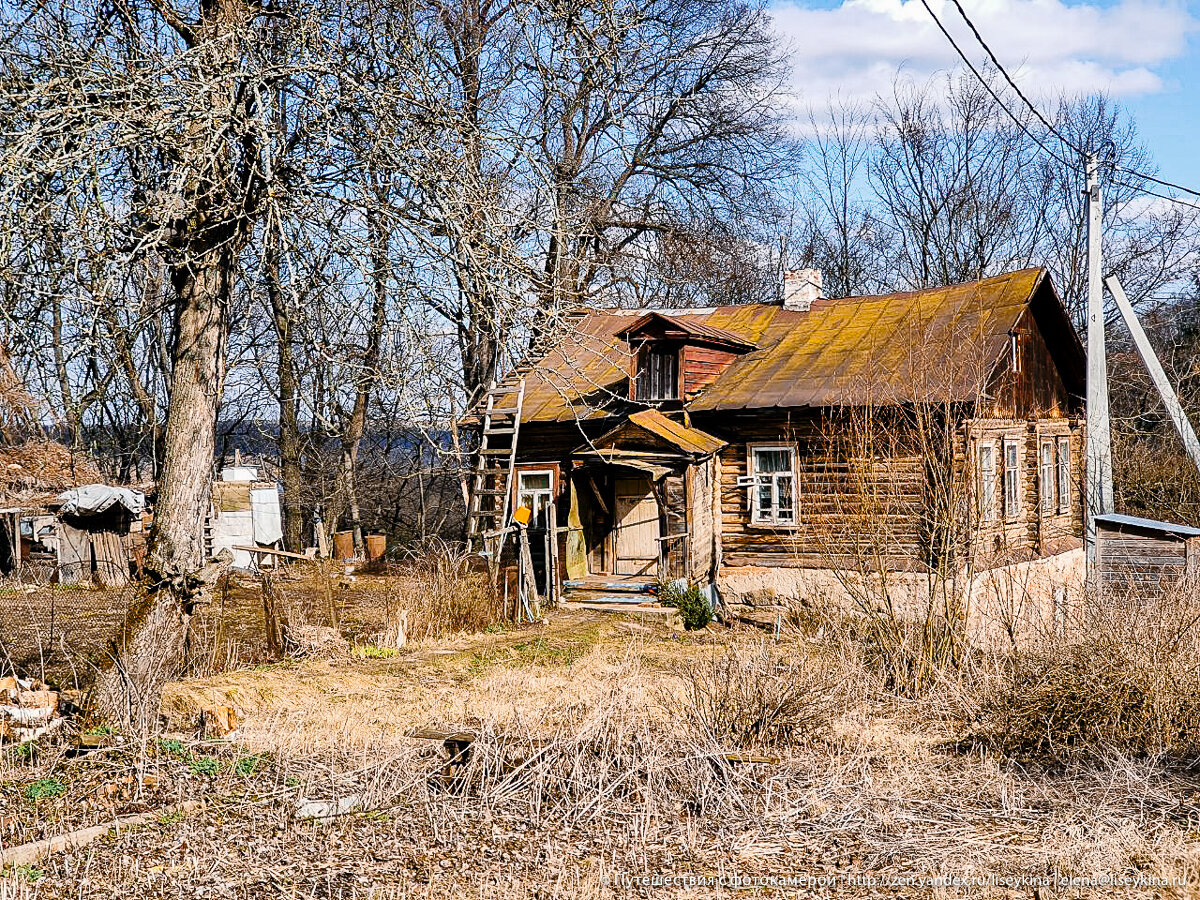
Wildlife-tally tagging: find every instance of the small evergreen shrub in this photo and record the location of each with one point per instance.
(689, 600)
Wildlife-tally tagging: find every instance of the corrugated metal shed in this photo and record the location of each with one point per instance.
(935, 344)
(1144, 554)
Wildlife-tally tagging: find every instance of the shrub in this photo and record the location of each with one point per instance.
(751, 694)
(691, 602)
(1124, 676)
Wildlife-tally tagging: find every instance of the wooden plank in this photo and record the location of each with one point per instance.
(271, 551)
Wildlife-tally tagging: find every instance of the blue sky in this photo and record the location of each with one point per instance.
(1144, 53)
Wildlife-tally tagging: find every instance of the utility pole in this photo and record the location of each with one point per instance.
(1169, 398)
(1098, 491)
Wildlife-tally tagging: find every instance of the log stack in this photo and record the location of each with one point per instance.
(28, 709)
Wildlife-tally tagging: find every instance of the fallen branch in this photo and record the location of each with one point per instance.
(27, 854)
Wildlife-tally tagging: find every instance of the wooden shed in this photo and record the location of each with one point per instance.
(1144, 553)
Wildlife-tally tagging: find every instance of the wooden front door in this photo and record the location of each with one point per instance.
(636, 527)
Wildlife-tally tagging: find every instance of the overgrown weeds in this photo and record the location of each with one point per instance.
(1122, 675)
(438, 594)
(749, 694)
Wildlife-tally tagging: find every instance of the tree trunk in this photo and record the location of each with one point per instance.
(289, 402)
(198, 372)
(150, 648)
(368, 369)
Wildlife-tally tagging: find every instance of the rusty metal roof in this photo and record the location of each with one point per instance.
(689, 325)
(687, 439)
(934, 344)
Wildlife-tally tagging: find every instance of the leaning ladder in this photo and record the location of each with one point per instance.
(492, 485)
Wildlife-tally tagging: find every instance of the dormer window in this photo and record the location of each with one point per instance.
(673, 358)
(658, 373)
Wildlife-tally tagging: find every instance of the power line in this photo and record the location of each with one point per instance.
(1170, 184)
(1011, 83)
(1053, 130)
(970, 65)
(1145, 190)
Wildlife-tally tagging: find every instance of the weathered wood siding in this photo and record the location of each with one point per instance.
(848, 505)
(1032, 531)
(1036, 390)
(870, 490)
(699, 479)
(700, 367)
(1143, 560)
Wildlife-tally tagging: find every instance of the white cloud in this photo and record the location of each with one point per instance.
(854, 50)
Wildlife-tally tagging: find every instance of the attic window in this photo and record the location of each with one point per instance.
(658, 374)
(1014, 343)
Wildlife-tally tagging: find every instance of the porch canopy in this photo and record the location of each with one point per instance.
(641, 499)
(650, 442)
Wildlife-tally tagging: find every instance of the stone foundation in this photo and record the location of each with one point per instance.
(1000, 603)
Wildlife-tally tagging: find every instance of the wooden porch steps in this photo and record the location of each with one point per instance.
(623, 584)
(631, 609)
(615, 592)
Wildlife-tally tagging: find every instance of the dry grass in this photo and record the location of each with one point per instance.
(442, 595)
(752, 694)
(1123, 676)
(596, 758)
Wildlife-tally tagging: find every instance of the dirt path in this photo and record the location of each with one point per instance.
(355, 701)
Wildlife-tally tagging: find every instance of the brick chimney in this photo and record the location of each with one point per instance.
(800, 288)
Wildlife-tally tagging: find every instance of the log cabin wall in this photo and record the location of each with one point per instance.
(1043, 523)
(867, 490)
(1029, 404)
(850, 506)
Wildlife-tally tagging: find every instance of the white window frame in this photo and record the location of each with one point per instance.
(1048, 476)
(1062, 474)
(756, 514)
(1011, 481)
(987, 482)
(547, 494)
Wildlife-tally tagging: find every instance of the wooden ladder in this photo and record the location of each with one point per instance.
(492, 485)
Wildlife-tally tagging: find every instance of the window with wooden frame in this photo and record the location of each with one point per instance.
(1014, 346)
(535, 490)
(1048, 478)
(1012, 479)
(773, 484)
(987, 482)
(658, 373)
(1064, 474)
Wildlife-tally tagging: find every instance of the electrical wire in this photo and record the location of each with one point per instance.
(1146, 190)
(1170, 184)
(1046, 122)
(975, 71)
(1011, 83)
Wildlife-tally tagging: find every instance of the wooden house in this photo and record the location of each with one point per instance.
(747, 445)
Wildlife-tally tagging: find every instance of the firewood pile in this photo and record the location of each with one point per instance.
(28, 709)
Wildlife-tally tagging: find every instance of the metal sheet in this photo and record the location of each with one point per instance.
(921, 345)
